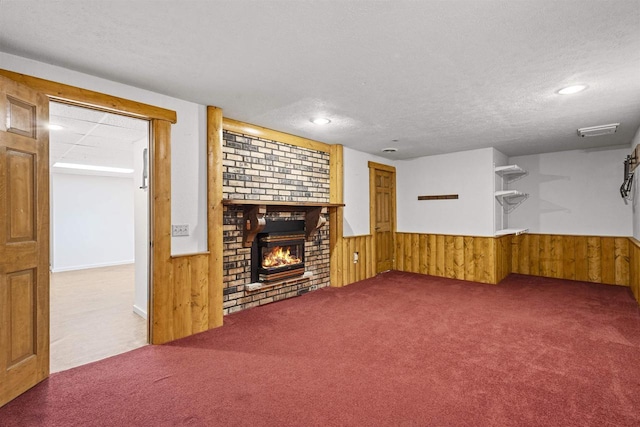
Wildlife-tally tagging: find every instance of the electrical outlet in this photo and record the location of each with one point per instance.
(180, 230)
(356, 257)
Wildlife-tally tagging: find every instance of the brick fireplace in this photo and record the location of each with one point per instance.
(258, 170)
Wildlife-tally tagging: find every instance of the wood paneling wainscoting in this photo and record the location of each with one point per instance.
(365, 267)
(504, 256)
(191, 282)
(597, 259)
(479, 259)
(586, 258)
(634, 270)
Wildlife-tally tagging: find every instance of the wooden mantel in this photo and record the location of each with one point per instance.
(255, 210)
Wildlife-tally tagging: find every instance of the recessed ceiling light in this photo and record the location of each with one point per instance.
(55, 127)
(91, 168)
(389, 150)
(320, 121)
(570, 90)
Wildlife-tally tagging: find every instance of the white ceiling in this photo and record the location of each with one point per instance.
(438, 76)
(91, 137)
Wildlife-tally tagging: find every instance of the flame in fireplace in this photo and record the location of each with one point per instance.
(279, 257)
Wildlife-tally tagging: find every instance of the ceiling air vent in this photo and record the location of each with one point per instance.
(598, 130)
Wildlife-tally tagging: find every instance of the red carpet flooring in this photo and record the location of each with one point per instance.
(400, 349)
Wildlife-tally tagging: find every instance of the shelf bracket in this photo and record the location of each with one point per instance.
(254, 222)
(508, 207)
(314, 221)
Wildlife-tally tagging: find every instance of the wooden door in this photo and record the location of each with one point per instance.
(382, 182)
(24, 239)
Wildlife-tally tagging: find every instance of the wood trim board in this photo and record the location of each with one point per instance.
(336, 215)
(215, 215)
(273, 135)
(381, 166)
(281, 204)
(439, 197)
(62, 92)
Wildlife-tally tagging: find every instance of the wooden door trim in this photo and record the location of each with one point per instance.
(113, 104)
(373, 166)
(382, 166)
(160, 120)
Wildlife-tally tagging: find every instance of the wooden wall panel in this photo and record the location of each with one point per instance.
(634, 271)
(455, 257)
(587, 258)
(480, 263)
(582, 265)
(469, 267)
(407, 244)
(568, 259)
(440, 255)
(503, 257)
(191, 299)
(607, 266)
(597, 259)
(449, 255)
(181, 297)
(622, 260)
(415, 250)
(365, 267)
(458, 257)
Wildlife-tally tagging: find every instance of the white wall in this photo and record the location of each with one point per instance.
(188, 147)
(468, 174)
(356, 190)
(573, 192)
(141, 226)
(92, 221)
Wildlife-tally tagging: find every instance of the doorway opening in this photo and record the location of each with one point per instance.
(99, 234)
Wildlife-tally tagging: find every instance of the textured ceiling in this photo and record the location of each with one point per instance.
(91, 137)
(438, 76)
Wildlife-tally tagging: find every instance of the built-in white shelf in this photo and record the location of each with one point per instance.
(510, 194)
(508, 199)
(514, 231)
(510, 172)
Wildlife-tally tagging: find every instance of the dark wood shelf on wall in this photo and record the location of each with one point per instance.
(255, 211)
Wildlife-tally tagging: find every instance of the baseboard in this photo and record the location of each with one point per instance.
(88, 266)
(140, 312)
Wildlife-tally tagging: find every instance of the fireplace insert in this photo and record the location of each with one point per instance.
(279, 253)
